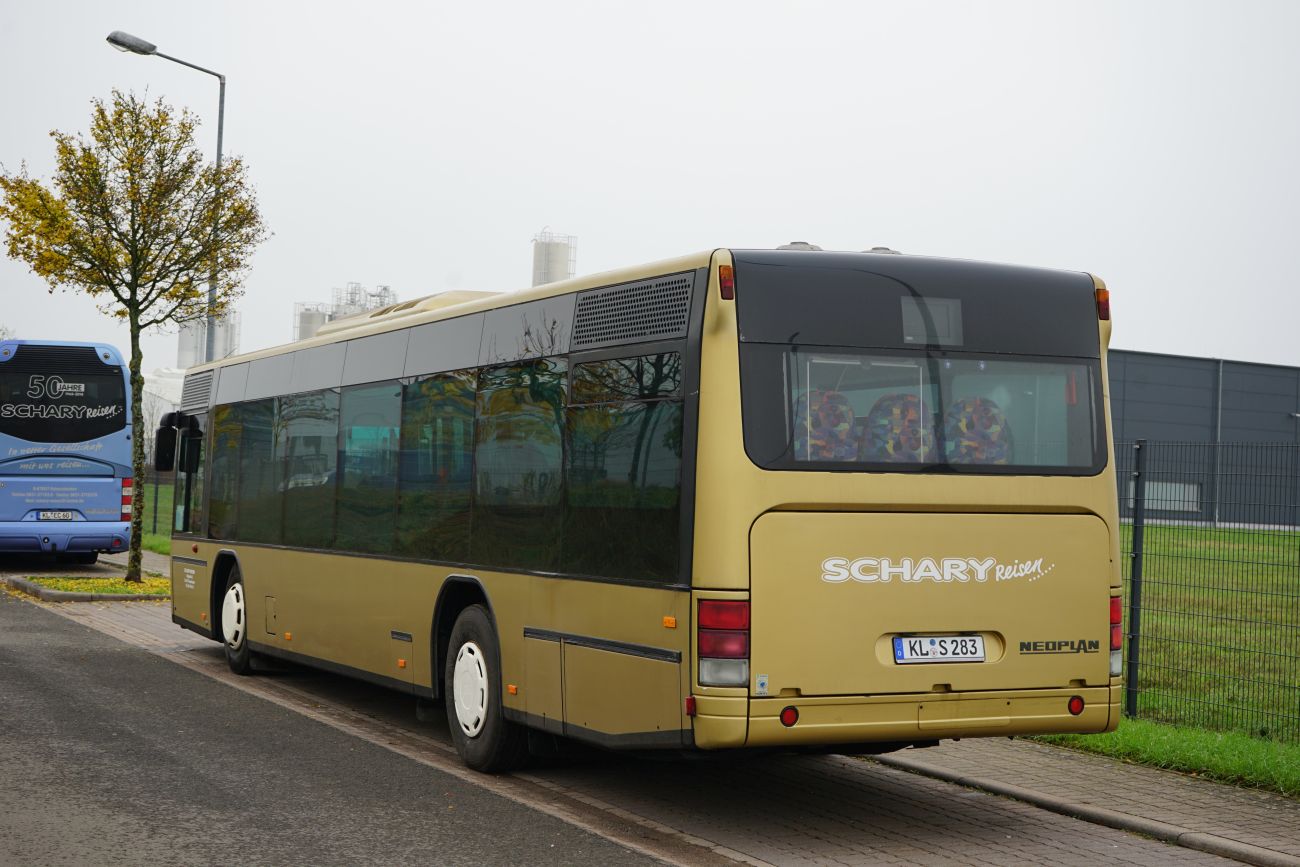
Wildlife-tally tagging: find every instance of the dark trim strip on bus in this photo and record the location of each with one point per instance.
(660, 740)
(393, 683)
(189, 560)
(205, 631)
(691, 424)
(645, 651)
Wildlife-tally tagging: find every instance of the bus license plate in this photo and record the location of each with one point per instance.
(54, 516)
(939, 648)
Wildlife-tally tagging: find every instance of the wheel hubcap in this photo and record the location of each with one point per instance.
(471, 689)
(232, 616)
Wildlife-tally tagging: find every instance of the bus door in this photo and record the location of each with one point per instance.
(190, 567)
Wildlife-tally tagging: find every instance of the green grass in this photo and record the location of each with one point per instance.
(161, 505)
(156, 542)
(1228, 757)
(150, 585)
(1220, 644)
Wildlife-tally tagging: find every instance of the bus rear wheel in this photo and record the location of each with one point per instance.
(234, 625)
(484, 738)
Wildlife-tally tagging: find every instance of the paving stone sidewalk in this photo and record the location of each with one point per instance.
(1250, 825)
(158, 564)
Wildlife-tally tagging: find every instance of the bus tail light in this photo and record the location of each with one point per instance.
(1103, 303)
(128, 493)
(1116, 636)
(722, 642)
(1075, 705)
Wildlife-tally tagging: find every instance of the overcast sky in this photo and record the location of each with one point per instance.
(422, 145)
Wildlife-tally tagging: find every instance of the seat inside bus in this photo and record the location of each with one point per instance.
(897, 430)
(823, 428)
(975, 431)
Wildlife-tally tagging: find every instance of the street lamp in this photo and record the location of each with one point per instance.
(126, 42)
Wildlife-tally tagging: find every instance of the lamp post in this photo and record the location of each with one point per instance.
(126, 42)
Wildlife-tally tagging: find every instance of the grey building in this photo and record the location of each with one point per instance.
(1178, 398)
(1221, 438)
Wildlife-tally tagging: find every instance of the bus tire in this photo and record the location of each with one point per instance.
(484, 738)
(234, 624)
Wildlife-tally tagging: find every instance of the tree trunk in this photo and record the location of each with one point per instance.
(137, 451)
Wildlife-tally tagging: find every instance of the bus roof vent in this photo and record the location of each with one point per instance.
(655, 309)
(196, 392)
(882, 250)
(799, 245)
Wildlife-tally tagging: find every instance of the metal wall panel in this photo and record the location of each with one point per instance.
(1166, 398)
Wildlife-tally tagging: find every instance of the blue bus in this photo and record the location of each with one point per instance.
(65, 449)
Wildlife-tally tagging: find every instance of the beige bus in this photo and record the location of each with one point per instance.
(785, 499)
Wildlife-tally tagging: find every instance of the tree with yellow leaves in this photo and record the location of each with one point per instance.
(137, 220)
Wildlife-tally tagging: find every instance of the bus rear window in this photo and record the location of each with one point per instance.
(921, 411)
(60, 407)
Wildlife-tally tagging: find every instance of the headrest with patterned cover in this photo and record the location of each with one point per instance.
(975, 432)
(898, 430)
(823, 428)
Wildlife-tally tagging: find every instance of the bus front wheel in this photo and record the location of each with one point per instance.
(234, 625)
(484, 738)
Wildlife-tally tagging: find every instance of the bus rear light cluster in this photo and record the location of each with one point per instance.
(722, 642)
(1116, 637)
(128, 492)
(1103, 303)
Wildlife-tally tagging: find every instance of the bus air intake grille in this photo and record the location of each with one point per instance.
(196, 391)
(655, 309)
(63, 360)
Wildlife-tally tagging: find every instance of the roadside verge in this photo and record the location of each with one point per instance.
(48, 595)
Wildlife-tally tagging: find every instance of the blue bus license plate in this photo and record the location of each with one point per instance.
(54, 516)
(939, 648)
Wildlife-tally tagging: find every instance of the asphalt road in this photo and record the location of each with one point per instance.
(112, 755)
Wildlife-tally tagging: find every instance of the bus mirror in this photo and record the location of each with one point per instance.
(164, 449)
(190, 451)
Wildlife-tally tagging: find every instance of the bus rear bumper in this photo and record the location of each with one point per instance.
(725, 722)
(65, 537)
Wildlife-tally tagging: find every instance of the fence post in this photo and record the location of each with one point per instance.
(1135, 578)
(154, 511)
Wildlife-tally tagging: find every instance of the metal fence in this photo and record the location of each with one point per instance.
(1212, 542)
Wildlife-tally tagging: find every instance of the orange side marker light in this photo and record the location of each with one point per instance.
(512, 689)
(288, 636)
(727, 282)
(670, 622)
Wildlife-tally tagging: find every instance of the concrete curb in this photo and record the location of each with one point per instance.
(1187, 838)
(47, 595)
